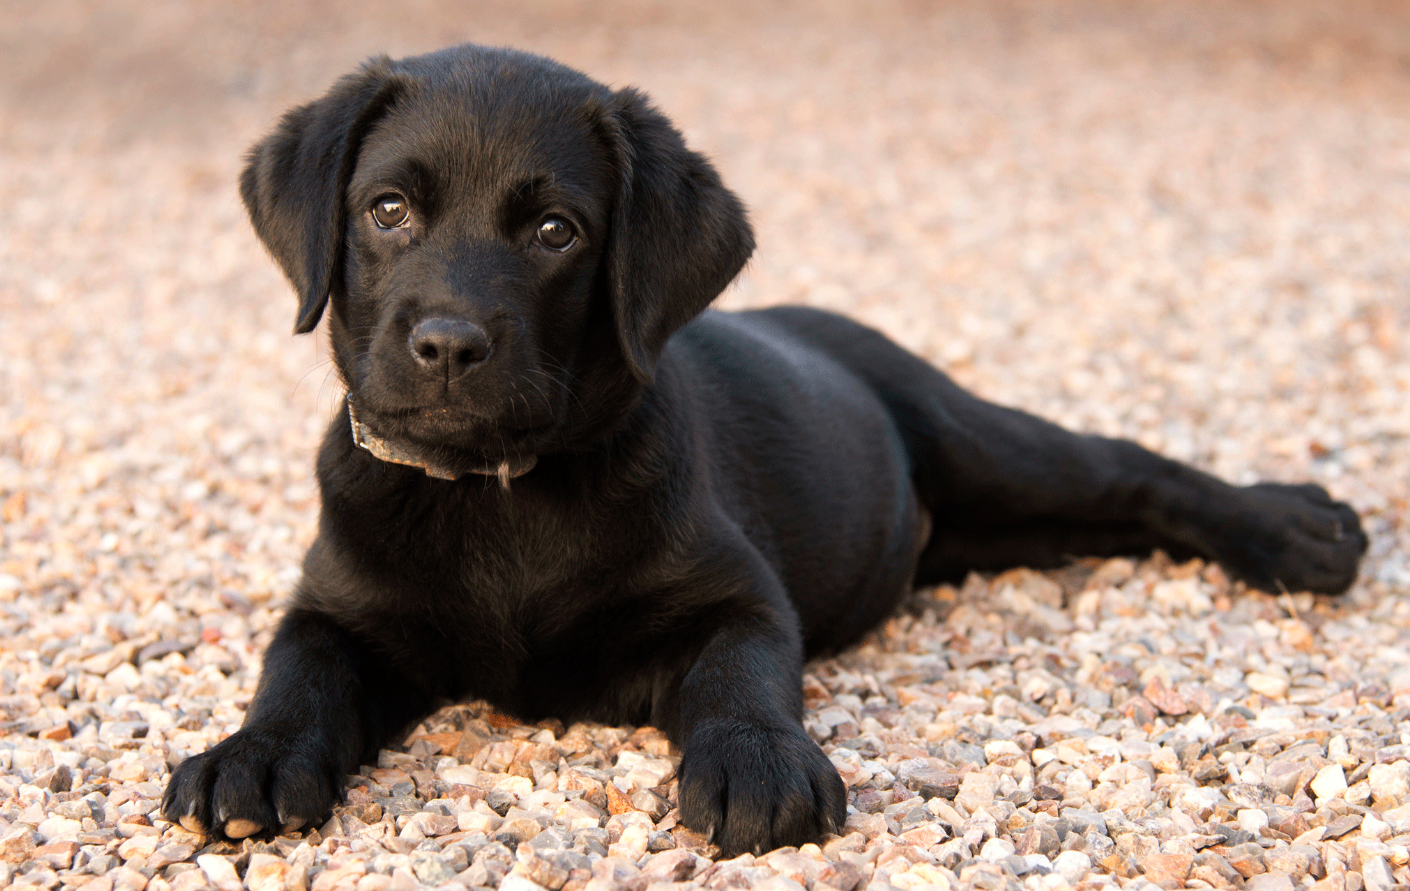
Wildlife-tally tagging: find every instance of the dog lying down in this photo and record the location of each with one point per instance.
(562, 485)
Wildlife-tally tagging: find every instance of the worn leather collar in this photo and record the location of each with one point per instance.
(391, 452)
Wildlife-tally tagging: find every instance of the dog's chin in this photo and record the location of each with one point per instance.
(448, 441)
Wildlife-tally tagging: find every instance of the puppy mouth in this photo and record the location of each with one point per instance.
(430, 439)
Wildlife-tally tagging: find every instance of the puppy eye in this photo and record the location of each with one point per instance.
(556, 234)
(391, 212)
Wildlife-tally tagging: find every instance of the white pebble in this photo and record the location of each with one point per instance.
(1329, 783)
(1269, 685)
(1252, 820)
(1072, 865)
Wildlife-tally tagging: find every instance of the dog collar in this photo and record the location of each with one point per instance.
(392, 453)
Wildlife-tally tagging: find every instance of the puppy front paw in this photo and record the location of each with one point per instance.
(253, 783)
(753, 788)
(1294, 537)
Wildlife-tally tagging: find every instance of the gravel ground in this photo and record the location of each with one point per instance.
(1183, 223)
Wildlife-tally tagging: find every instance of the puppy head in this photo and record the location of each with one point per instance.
(506, 244)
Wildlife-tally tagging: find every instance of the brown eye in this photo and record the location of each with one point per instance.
(391, 212)
(556, 234)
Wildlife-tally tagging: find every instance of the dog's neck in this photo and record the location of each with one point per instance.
(390, 452)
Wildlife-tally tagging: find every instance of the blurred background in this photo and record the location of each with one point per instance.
(1187, 223)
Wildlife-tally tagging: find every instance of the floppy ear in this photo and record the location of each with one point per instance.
(294, 181)
(678, 235)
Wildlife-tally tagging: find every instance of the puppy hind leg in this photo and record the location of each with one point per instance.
(1036, 491)
(1037, 545)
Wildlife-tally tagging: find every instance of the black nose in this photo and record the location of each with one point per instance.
(448, 346)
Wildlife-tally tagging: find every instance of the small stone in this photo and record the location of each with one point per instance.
(1072, 865)
(1002, 751)
(1085, 821)
(58, 827)
(650, 803)
(1140, 710)
(841, 875)
(1374, 827)
(337, 878)
(431, 824)
(518, 829)
(869, 825)
(58, 855)
(1164, 698)
(1269, 685)
(1341, 826)
(996, 849)
(167, 854)
(1253, 821)
(1040, 838)
(1339, 750)
(143, 846)
(267, 872)
(1270, 881)
(928, 834)
(220, 871)
(1167, 870)
(977, 790)
(1246, 859)
(1390, 784)
(1329, 783)
(1295, 860)
(430, 868)
(62, 780)
(927, 778)
(1292, 825)
(677, 865)
(1211, 868)
(617, 801)
(1377, 874)
(515, 881)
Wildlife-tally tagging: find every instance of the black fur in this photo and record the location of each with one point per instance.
(706, 499)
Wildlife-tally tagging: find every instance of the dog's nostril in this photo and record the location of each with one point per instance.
(450, 346)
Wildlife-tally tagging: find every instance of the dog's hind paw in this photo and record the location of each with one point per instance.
(1294, 538)
(753, 788)
(253, 783)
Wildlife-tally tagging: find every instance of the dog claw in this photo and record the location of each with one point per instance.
(242, 828)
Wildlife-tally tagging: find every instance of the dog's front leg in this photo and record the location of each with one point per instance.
(751, 778)
(320, 707)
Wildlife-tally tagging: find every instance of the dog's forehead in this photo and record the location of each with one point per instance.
(491, 126)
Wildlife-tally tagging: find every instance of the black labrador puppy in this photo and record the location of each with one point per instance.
(561, 486)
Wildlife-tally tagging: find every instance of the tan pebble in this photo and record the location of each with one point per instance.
(1167, 870)
(139, 846)
(617, 801)
(266, 873)
(1164, 698)
(1374, 827)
